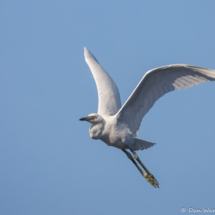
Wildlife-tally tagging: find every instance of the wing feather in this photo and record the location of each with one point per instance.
(156, 83)
(109, 98)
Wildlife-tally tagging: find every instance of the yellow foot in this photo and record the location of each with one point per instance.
(151, 179)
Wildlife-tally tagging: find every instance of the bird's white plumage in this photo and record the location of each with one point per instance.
(118, 126)
(109, 98)
(141, 144)
(155, 84)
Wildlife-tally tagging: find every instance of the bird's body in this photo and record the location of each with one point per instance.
(118, 126)
(112, 132)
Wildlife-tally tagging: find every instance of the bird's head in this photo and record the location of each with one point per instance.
(93, 118)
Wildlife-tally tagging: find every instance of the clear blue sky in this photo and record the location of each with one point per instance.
(48, 163)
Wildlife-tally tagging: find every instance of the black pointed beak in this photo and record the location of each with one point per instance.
(83, 119)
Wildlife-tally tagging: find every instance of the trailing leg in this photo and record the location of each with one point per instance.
(133, 161)
(148, 176)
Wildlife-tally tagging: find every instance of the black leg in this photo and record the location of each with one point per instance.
(149, 177)
(139, 161)
(133, 161)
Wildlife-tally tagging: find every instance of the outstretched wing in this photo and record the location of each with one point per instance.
(156, 83)
(109, 98)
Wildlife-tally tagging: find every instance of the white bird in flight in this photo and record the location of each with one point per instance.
(118, 126)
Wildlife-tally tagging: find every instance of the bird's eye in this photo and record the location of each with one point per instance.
(94, 118)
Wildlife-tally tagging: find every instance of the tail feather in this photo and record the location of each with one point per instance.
(141, 144)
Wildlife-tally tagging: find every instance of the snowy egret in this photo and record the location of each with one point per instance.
(117, 126)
